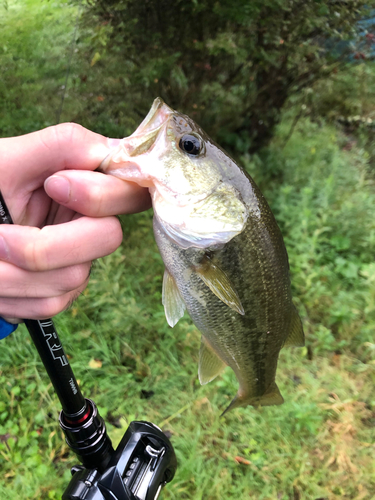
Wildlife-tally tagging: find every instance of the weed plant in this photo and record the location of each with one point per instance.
(320, 443)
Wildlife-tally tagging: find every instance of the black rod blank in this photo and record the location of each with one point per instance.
(47, 342)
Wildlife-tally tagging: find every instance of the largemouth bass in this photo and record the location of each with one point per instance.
(224, 255)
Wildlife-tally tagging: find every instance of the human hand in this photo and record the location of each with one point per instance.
(63, 217)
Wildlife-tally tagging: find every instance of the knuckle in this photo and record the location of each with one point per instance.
(66, 133)
(98, 199)
(95, 199)
(75, 277)
(47, 308)
(35, 256)
(62, 136)
(50, 307)
(114, 235)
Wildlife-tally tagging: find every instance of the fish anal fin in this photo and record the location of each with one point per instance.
(296, 337)
(174, 306)
(271, 398)
(210, 365)
(219, 284)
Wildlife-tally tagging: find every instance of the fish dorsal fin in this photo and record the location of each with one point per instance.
(210, 365)
(174, 306)
(219, 284)
(296, 337)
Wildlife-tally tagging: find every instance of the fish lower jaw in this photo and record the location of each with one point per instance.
(128, 171)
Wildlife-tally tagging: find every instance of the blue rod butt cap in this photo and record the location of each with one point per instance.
(6, 328)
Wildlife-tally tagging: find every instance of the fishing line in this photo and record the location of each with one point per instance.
(59, 112)
(72, 46)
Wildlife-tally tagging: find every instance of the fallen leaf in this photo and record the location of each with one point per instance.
(95, 363)
(241, 460)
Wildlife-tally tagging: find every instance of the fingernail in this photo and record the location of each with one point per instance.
(4, 250)
(58, 188)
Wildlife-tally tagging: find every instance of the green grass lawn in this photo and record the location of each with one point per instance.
(320, 443)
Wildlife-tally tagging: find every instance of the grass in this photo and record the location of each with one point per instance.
(320, 443)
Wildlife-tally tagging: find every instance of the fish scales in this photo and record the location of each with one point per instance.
(224, 254)
(252, 340)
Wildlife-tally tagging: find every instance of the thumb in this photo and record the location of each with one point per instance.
(96, 194)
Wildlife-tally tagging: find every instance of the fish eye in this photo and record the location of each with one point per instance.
(190, 144)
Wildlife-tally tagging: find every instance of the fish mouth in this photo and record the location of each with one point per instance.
(155, 118)
(142, 139)
(146, 134)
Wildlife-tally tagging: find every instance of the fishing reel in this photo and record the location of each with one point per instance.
(142, 464)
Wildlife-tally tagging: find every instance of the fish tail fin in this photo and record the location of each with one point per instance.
(235, 403)
(270, 398)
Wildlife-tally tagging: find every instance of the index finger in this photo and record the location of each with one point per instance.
(60, 147)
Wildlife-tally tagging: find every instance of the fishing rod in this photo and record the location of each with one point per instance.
(143, 462)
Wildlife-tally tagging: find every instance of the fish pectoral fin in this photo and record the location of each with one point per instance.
(210, 365)
(296, 337)
(174, 306)
(219, 284)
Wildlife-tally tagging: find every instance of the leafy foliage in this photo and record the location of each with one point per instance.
(32, 76)
(231, 65)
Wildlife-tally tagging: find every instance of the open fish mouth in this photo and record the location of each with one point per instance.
(155, 118)
(146, 134)
(141, 140)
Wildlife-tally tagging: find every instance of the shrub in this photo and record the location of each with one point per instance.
(231, 65)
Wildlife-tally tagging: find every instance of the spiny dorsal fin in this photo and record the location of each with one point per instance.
(296, 337)
(219, 284)
(174, 306)
(210, 365)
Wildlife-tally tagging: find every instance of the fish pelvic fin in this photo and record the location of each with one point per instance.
(219, 284)
(174, 306)
(210, 365)
(296, 337)
(271, 398)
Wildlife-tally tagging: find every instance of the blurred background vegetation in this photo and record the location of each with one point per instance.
(288, 88)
